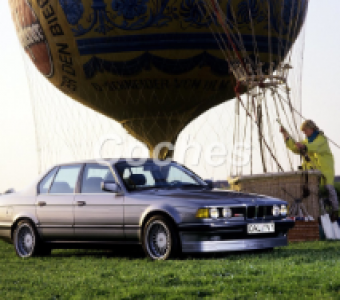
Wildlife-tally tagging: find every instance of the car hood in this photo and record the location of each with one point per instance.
(210, 197)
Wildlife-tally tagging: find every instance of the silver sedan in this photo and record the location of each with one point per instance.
(164, 207)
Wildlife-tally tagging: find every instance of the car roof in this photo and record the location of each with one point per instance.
(106, 160)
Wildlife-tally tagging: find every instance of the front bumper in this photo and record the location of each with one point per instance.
(231, 236)
(233, 245)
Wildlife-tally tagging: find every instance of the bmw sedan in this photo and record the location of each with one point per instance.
(165, 207)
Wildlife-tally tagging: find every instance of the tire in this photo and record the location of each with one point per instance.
(27, 242)
(160, 239)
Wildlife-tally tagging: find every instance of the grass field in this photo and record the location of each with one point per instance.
(300, 271)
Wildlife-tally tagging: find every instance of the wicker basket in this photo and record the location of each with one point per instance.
(273, 184)
(304, 231)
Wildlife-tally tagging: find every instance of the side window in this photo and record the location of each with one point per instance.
(149, 180)
(93, 176)
(66, 180)
(138, 176)
(176, 174)
(45, 184)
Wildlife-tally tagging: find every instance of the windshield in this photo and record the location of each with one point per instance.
(151, 175)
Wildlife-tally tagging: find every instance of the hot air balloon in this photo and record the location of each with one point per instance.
(154, 66)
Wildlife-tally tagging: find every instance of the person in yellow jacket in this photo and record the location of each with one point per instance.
(321, 158)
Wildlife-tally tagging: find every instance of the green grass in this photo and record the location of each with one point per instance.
(300, 271)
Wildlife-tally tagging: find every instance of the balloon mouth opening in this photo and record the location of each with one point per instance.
(161, 153)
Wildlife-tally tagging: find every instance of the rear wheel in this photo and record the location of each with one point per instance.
(27, 242)
(160, 239)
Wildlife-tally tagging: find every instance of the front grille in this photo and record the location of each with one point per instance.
(238, 212)
(256, 212)
(251, 212)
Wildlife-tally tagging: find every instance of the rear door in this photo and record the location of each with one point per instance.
(99, 215)
(54, 203)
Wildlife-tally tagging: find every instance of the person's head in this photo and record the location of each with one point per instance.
(308, 127)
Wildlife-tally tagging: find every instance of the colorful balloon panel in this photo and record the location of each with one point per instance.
(31, 36)
(151, 65)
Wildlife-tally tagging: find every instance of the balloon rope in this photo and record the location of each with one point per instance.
(237, 91)
(277, 110)
(221, 21)
(301, 116)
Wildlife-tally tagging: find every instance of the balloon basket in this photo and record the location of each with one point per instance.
(304, 231)
(284, 185)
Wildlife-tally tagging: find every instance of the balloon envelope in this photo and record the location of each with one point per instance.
(153, 66)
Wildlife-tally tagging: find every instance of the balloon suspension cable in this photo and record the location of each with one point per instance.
(301, 116)
(222, 23)
(246, 78)
(237, 92)
(245, 75)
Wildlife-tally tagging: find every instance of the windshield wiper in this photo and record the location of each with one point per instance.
(147, 188)
(192, 185)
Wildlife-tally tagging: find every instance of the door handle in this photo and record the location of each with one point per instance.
(41, 203)
(81, 203)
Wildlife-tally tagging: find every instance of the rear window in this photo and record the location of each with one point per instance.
(45, 184)
(66, 180)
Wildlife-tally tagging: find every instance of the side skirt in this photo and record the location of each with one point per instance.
(88, 244)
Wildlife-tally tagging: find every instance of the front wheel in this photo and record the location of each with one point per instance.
(160, 239)
(27, 242)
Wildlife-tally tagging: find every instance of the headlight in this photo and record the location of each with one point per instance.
(283, 210)
(276, 210)
(227, 213)
(203, 213)
(214, 213)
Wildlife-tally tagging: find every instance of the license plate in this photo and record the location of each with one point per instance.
(261, 228)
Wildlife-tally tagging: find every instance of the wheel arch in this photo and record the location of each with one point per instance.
(20, 218)
(171, 214)
(168, 217)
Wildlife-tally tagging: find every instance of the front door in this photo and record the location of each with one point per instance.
(54, 203)
(99, 215)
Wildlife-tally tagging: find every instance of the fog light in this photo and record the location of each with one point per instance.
(284, 210)
(276, 210)
(203, 213)
(227, 213)
(214, 213)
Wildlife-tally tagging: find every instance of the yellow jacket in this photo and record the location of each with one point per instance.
(320, 155)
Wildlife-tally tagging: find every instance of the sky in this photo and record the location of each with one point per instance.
(320, 98)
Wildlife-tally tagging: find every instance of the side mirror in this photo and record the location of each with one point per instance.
(110, 186)
(10, 191)
(209, 183)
